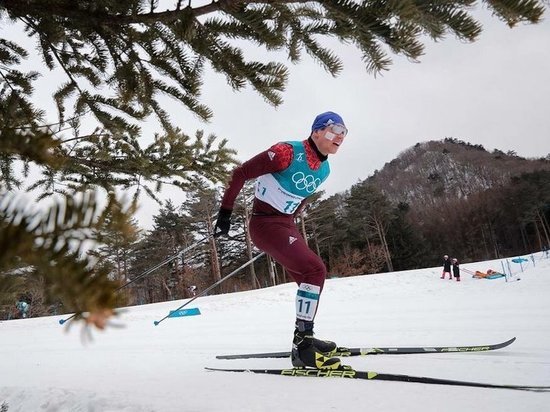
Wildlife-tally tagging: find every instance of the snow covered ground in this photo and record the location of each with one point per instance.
(143, 367)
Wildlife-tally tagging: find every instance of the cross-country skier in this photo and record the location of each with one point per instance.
(286, 174)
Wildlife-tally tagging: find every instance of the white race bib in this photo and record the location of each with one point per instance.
(270, 191)
(307, 298)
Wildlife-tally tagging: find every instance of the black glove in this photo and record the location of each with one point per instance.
(223, 223)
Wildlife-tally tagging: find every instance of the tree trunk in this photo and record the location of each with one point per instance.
(544, 225)
(537, 231)
(253, 278)
(524, 238)
(168, 291)
(485, 242)
(270, 270)
(384, 243)
(494, 241)
(303, 225)
(317, 248)
(213, 251)
(118, 264)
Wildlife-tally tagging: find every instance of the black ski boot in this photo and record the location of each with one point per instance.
(326, 347)
(310, 352)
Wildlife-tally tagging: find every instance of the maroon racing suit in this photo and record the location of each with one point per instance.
(272, 231)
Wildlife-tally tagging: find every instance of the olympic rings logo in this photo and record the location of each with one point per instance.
(307, 183)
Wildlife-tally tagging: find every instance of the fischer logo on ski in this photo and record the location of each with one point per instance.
(324, 373)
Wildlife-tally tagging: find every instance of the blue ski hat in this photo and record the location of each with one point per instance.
(325, 119)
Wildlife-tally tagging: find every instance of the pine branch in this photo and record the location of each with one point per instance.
(51, 243)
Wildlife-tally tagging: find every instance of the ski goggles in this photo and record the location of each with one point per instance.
(338, 128)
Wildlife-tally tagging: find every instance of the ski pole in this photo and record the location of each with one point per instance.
(204, 292)
(168, 260)
(151, 270)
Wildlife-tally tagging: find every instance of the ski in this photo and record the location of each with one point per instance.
(344, 352)
(346, 373)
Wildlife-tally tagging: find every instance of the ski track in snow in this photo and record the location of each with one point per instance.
(142, 367)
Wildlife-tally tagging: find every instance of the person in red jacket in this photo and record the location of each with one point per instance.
(286, 174)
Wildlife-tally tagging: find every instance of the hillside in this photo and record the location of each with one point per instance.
(449, 169)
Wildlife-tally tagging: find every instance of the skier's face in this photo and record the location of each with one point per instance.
(329, 139)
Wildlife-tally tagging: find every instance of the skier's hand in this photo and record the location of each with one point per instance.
(223, 223)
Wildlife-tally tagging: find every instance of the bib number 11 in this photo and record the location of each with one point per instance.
(306, 301)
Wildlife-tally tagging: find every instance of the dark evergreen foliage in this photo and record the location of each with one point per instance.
(406, 243)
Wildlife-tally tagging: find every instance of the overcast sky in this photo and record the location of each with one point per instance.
(494, 92)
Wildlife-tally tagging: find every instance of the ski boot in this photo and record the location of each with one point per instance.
(308, 352)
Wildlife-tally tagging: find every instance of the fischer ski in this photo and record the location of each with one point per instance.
(344, 352)
(348, 373)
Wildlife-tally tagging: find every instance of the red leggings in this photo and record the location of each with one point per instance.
(279, 237)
